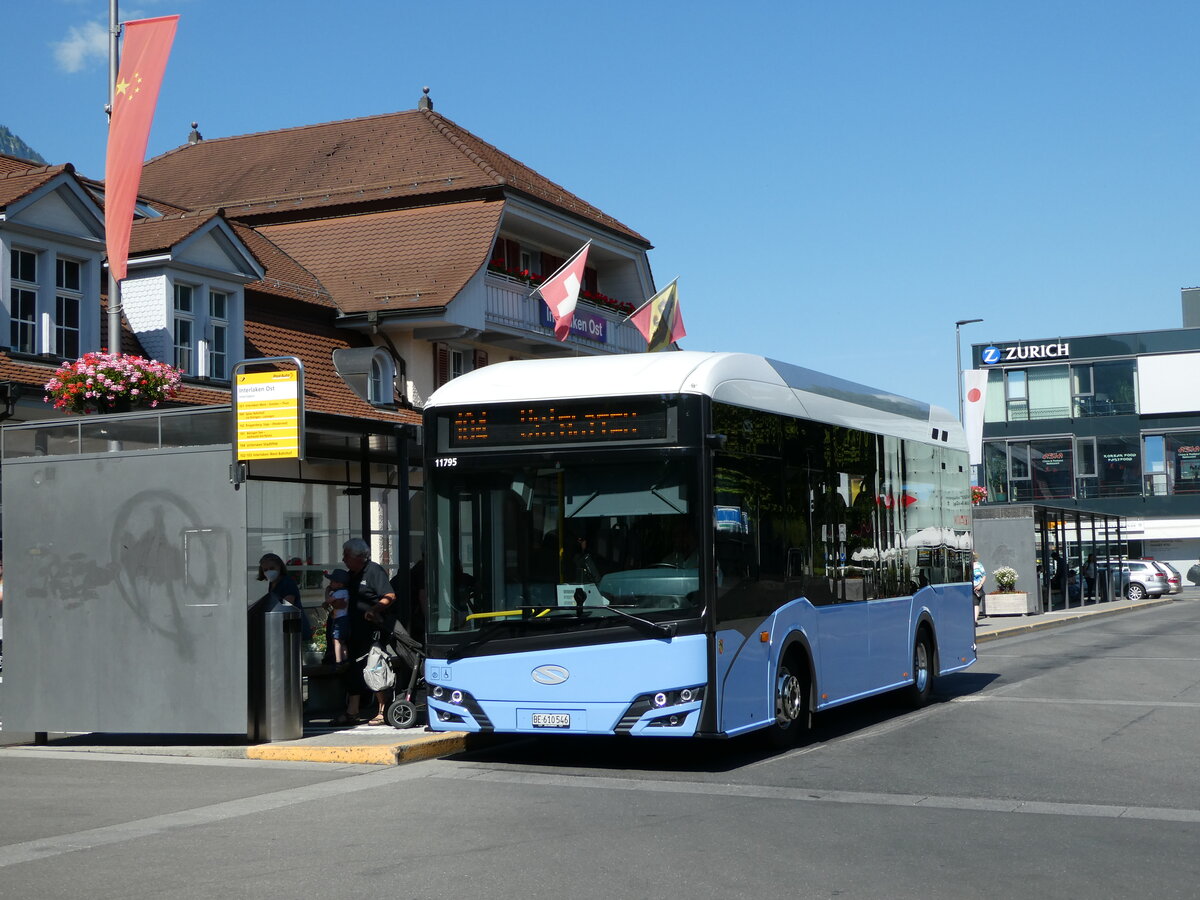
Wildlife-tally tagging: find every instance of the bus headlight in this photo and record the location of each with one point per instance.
(661, 703)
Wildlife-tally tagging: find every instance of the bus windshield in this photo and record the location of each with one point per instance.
(534, 548)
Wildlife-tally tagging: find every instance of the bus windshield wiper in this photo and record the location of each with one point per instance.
(655, 628)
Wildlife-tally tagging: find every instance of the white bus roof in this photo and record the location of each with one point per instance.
(741, 379)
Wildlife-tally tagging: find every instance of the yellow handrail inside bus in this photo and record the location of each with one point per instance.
(507, 612)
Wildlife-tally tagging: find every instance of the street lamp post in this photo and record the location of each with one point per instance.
(958, 361)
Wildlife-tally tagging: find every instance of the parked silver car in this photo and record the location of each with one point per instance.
(1174, 579)
(1140, 578)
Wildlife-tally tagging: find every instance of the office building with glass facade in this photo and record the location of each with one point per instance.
(1105, 423)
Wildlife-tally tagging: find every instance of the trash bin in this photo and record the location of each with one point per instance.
(276, 700)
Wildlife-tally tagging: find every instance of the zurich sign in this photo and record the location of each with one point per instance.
(990, 356)
(550, 674)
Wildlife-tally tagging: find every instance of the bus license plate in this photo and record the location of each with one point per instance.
(551, 720)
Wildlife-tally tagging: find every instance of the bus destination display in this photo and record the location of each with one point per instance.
(529, 424)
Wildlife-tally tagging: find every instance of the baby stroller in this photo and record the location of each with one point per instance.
(406, 656)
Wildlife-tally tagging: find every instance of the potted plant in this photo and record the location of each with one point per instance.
(1007, 600)
(314, 653)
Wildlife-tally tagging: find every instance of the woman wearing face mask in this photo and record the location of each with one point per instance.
(272, 570)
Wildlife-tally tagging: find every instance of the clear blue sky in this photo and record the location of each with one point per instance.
(834, 183)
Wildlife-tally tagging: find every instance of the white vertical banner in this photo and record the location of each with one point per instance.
(974, 398)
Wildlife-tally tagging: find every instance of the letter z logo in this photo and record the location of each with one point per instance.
(990, 356)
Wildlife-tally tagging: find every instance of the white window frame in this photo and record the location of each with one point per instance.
(184, 319)
(217, 336)
(64, 294)
(213, 339)
(381, 380)
(25, 288)
(44, 331)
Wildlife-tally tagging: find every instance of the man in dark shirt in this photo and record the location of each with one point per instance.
(370, 596)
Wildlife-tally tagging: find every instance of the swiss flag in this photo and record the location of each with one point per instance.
(143, 61)
(561, 291)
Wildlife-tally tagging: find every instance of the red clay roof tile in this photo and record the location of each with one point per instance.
(400, 156)
(402, 259)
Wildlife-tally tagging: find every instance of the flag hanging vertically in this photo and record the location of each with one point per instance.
(561, 291)
(659, 319)
(143, 61)
(975, 384)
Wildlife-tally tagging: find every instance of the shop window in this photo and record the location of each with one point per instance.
(1182, 450)
(995, 471)
(1085, 467)
(1051, 468)
(1119, 467)
(1171, 463)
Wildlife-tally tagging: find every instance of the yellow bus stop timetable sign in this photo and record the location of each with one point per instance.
(268, 418)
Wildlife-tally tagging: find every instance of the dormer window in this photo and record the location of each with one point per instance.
(22, 308)
(380, 390)
(218, 334)
(201, 330)
(44, 318)
(68, 300)
(185, 329)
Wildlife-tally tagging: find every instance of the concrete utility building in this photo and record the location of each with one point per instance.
(1103, 423)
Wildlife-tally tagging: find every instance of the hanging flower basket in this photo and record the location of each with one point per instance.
(978, 494)
(111, 382)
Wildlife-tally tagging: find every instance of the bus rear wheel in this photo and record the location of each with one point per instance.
(921, 690)
(791, 704)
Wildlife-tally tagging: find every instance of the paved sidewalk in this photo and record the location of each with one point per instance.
(386, 746)
(360, 745)
(992, 628)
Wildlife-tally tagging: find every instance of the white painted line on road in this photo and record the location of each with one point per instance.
(1058, 701)
(45, 848)
(465, 771)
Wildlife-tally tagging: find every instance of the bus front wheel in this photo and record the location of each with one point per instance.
(791, 703)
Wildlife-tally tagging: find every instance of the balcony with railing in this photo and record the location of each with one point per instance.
(598, 327)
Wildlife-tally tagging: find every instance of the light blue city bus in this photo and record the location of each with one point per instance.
(687, 544)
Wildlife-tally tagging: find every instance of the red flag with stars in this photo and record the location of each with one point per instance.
(143, 61)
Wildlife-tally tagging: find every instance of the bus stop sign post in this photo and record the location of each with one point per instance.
(268, 413)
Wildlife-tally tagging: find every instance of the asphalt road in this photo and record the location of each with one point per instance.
(1062, 765)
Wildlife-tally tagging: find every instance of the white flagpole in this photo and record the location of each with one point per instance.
(114, 64)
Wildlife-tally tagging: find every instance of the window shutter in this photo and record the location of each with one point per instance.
(589, 280)
(480, 359)
(512, 254)
(441, 365)
(550, 264)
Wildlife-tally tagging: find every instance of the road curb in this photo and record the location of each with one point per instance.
(1043, 624)
(428, 746)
